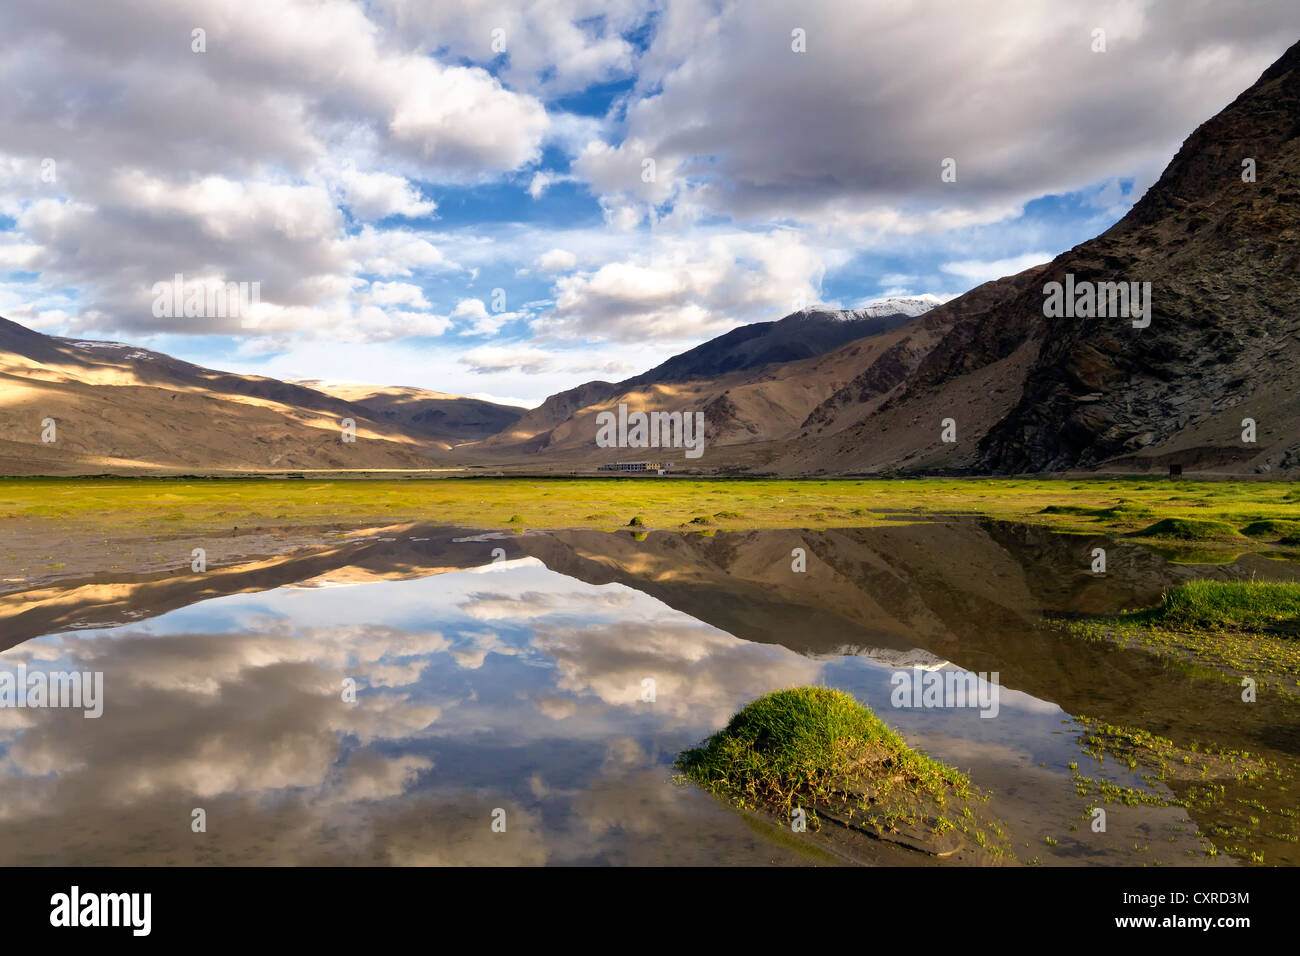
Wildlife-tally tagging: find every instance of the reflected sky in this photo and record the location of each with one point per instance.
(508, 686)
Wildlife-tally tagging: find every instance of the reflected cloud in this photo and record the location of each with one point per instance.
(562, 698)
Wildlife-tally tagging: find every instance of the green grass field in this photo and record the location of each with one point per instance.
(1209, 513)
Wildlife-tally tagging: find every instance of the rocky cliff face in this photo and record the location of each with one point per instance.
(1223, 259)
(1033, 392)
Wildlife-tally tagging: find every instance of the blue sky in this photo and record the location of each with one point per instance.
(458, 197)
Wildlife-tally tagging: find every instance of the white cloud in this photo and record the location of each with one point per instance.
(557, 260)
(18, 255)
(397, 293)
(372, 196)
(687, 288)
(850, 134)
(490, 359)
(540, 182)
(975, 271)
(555, 46)
(480, 320)
(233, 164)
(392, 252)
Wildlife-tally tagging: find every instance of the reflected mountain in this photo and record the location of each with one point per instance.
(555, 676)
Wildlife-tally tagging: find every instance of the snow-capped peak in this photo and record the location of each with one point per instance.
(133, 353)
(910, 305)
(893, 305)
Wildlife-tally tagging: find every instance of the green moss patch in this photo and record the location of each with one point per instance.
(1122, 510)
(819, 750)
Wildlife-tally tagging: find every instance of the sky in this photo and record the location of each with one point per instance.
(508, 199)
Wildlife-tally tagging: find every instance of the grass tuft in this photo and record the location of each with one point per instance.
(1247, 605)
(1272, 528)
(795, 747)
(1187, 529)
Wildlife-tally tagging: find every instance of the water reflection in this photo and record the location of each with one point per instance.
(556, 685)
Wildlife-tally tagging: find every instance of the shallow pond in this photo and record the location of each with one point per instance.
(520, 699)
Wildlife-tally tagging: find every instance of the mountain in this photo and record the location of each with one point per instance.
(1029, 389)
(754, 383)
(1211, 248)
(1223, 259)
(911, 305)
(529, 432)
(1032, 393)
(800, 335)
(118, 408)
(446, 419)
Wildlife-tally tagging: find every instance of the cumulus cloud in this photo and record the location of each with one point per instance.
(687, 288)
(852, 132)
(313, 144)
(375, 195)
(478, 320)
(551, 46)
(236, 163)
(397, 293)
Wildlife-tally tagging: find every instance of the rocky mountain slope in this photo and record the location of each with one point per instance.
(1019, 387)
(800, 335)
(1031, 393)
(756, 383)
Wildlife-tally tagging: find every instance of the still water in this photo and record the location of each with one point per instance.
(520, 699)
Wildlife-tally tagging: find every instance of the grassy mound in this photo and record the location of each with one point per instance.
(1126, 511)
(820, 750)
(1248, 605)
(1122, 510)
(1272, 528)
(789, 747)
(1196, 555)
(1187, 529)
(1081, 510)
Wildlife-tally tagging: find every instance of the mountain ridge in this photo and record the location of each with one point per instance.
(1020, 389)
